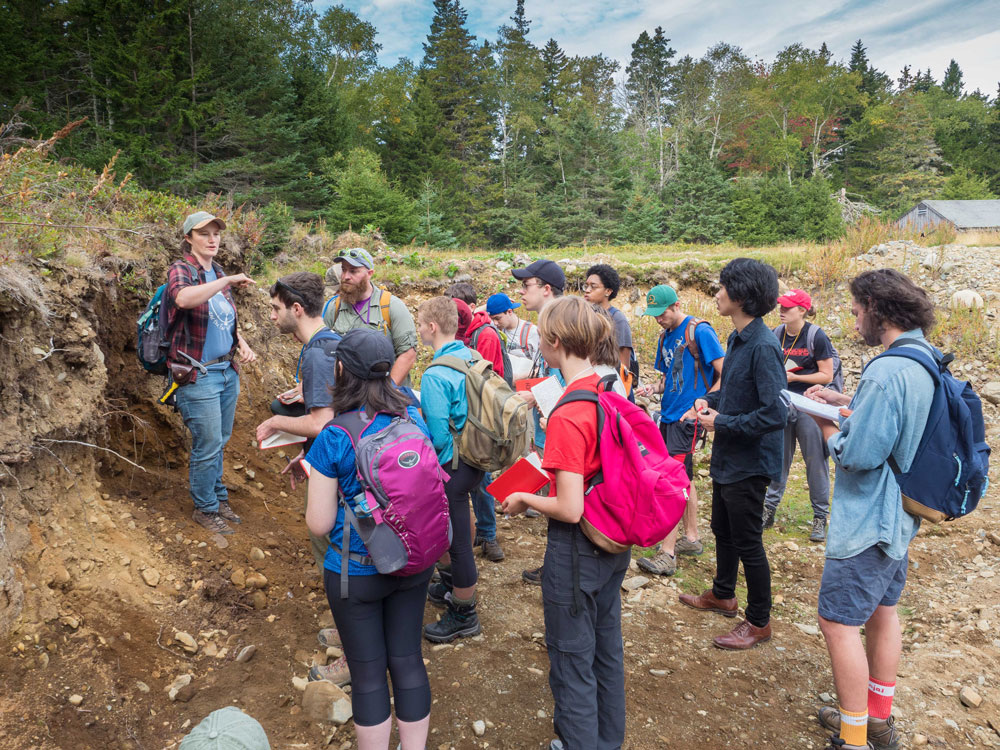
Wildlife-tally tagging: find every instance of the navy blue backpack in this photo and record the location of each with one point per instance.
(950, 471)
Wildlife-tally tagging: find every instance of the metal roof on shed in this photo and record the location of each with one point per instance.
(968, 214)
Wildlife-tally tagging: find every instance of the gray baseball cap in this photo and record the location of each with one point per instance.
(356, 256)
(367, 354)
(199, 219)
(226, 729)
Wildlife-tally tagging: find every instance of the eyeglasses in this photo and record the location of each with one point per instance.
(592, 287)
(291, 290)
(526, 285)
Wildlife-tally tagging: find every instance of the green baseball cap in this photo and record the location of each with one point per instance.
(659, 299)
(227, 729)
(199, 219)
(357, 256)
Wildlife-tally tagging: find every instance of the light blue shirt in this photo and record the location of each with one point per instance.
(221, 327)
(891, 406)
(443, 401)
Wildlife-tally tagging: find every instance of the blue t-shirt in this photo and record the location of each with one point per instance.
(332, 455)
(681, 385)
(221, 327)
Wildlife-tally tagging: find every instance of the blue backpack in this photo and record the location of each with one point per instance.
(152, 335)
(950, 471)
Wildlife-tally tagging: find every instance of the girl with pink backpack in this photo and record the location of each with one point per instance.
(592, 525)
(378, 605)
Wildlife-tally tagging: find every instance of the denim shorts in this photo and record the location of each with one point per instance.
(853, 588)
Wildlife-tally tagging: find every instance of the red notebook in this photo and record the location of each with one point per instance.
(527, 383)
(526, 475)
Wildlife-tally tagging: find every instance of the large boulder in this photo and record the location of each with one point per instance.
(324, 701)
(967, 298)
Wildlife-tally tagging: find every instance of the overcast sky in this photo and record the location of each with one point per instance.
(920, 33)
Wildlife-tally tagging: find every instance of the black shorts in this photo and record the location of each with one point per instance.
(680, 437)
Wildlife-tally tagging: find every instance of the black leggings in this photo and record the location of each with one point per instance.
(380, 624)
(461, 482)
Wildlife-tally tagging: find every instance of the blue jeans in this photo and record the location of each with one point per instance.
(208, 407)
(484, 506)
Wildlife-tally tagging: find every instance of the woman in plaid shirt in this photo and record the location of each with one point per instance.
(205, 350)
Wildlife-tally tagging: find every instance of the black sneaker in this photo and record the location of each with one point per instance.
(533, 576)
(456, 622)
(226, 511)
(769, 514)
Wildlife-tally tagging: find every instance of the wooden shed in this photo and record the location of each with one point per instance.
(964, 215)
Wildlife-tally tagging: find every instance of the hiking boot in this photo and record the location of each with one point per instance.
(329, 637)
(769, 513)
(336, 672)
(663, 564)
(685, 546)
(707, 602)
(743, 636)
(492, 551)
(838, 744)
(882, 734)
(437, 593)
(818, 533)
(456, 622)
(226, 511)
(212, 521)
(531, 513)
(533, 576)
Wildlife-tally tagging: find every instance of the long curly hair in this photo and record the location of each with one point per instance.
(890, 298)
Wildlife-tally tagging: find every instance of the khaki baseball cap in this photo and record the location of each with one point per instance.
(199, 219)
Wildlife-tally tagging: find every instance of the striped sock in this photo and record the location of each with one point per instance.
(854, 727)
(880, 698)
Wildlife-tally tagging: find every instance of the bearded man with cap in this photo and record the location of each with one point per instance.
(361, 304)
(205, 351)
(689, 358)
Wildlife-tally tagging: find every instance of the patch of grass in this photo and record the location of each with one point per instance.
(968, 334)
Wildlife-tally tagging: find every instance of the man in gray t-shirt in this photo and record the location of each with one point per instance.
(601, 285)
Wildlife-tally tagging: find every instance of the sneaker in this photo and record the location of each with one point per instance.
(882, 735)
(226, 511)
(492, 551)
(769, 513)
(531, 513)
(533, 576)
(838, 744)
(663, 564)
(437, 593)
(456, 622)
(818, 533)
(329, 637)
(336, 672)
(212, 521)
(685, 546)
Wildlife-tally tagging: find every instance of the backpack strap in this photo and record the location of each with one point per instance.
(811, 339)
(692, 347)
(463, 366)
(522, 338)
(383, 305)
(607, 382)
(335, 299)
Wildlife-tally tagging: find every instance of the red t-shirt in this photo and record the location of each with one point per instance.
(571, 435)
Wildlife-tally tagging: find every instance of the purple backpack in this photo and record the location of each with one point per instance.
(401, 514)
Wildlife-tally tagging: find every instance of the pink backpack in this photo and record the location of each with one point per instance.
(402, 514)
(638, 496)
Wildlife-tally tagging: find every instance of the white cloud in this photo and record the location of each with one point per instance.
(919, 33)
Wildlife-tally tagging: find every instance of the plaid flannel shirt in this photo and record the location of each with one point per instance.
(189, 330)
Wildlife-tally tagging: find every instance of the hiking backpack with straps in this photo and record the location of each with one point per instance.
(691, 345)
(153, 330)
(496, 432)
(639, 495)
(837, 384)
(384, 298)
(404, 521)
(508, 370)
(950, 470)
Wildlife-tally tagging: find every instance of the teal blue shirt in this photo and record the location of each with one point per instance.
(443, 401)
(890, 407)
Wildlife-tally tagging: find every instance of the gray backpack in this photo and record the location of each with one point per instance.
(837, 384)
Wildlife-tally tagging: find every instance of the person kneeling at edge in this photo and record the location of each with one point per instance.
(444, 404)
(379, 620)
(581, 583)
(747, 415)
(867, 550)
(296, 308)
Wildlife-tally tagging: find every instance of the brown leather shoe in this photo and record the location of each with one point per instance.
(706, 601)
(743, 636)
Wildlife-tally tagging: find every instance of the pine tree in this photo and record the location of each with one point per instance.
(697, 202)
(751, 223)
(554, 66)
(963, 185)
(905, 80)
(642, 219)
(951, 84)
(363, 196)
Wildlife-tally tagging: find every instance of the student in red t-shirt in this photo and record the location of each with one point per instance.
(580, 583)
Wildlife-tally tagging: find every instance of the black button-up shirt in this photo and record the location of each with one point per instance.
(749, 428)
